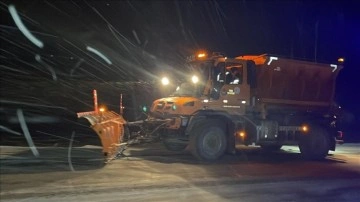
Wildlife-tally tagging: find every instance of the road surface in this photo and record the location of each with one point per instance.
(150, 173)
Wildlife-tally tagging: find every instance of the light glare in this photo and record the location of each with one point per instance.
(165, 81)
(201, 55)
(195, 79)
(304, 128)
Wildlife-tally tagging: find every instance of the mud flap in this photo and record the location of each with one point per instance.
(231, 140)
(110, 127)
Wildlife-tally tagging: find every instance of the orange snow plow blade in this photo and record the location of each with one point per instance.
(110, 127)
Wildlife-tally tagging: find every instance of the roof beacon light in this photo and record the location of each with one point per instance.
(341, 60)
(201, 55)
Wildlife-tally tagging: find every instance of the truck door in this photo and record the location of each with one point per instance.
(235, 93)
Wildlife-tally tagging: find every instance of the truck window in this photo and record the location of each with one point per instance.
(234, 75)
(218, 80)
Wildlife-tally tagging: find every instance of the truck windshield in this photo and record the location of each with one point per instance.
(186, 89)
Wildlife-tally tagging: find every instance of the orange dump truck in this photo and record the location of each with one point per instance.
(252, 100)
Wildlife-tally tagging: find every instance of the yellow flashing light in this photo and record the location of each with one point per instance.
(341, 60)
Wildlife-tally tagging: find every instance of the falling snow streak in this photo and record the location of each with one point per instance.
(112, 29)
(132, 60)
(17, 45)
(52, 71)
(54, 135)
(26, 18)
(102, 17)
(87, 62)
(23, 28)
(36, 32)
(12, 69)
(136, 37)
(29, 104)
(78, 56)
(220, 13)
(180, 19)
(81, 50)
(69, 151)
(77, 65)
(26, 132)
(98, 53)
(57, 9)
(9, 130)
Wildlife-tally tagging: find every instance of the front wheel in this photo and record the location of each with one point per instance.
(207, 140)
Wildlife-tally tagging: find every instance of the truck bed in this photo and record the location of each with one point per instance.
(282, 81)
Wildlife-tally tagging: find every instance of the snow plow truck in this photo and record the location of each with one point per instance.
(261, 100)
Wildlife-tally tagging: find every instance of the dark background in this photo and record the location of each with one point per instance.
(146, 39)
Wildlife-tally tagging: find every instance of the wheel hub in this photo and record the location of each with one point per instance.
(212, 143)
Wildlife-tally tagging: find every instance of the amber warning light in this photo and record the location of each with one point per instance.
(201, 55)
(305, 128)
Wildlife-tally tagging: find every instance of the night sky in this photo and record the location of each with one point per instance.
(144, 38)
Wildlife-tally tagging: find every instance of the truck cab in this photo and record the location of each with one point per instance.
(215, 82)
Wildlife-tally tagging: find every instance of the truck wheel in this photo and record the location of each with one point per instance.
(314, 145)
(208, 141)
(173, 146)
(271, 148)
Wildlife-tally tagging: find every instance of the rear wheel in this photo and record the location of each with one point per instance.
(207, 140)
(314, 145)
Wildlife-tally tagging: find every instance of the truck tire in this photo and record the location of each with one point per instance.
(271, 148)
(314, 145)
(173, 146)
(208, 141)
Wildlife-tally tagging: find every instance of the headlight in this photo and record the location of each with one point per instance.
(165, 81)
(195, 79)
